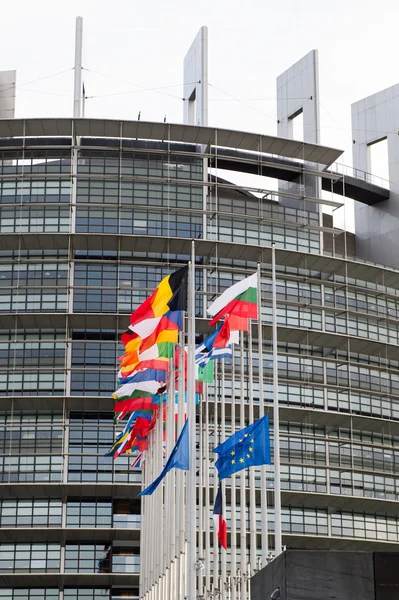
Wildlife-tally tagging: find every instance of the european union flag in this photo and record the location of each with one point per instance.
(179, 459)
(245, 448)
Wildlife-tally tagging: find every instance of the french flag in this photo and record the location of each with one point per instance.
(219, 520)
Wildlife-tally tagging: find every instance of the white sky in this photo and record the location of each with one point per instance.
(250, 43)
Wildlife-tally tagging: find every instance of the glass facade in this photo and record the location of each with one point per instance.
(88, 233)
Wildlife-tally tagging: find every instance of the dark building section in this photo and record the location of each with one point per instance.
(315, 575)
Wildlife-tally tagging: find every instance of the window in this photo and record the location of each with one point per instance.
(30, 513)
(88, 558)
(29, 558)
(86, 513)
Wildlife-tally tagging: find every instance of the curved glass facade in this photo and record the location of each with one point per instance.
(87, 230)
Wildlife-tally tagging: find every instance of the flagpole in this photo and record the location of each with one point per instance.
(252, 498)
(243, 494)
(263, 476)
(276, 415)
(233, 564)
(222, 439)
(191, 501)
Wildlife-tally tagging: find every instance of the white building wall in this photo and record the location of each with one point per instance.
(377, 227)
(7, 94)
(195, 77)
(298, 92)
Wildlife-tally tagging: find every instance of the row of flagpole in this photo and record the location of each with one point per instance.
(169, 559)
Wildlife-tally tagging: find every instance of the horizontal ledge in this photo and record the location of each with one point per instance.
(54, 534)
(61, 580)
(61, 491)
(335, 502)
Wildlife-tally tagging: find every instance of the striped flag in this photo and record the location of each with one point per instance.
(219, 519)
(240, 300)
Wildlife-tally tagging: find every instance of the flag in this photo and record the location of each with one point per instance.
(206, 373)
(209, 342)
(245, 448)
(138, 461)
(157, 351)
(118, 443)
(126, 391)
(166, 330)
(219, 519)
(240, 299)
(125, 406)
(202, 358)
(170, 295)
(146, 375)
(161, 364)
(178, 459)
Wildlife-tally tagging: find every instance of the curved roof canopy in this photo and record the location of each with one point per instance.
(145, 130)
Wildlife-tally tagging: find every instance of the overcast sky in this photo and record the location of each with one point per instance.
(250, 43)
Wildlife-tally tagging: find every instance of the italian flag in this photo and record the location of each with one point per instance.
(240, 300)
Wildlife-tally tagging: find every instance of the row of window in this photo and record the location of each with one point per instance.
(79, 558)
(35, 190)
(31, 218)
(50, 161)
(78, 513)
(69, 594)
(95, 468)
(114, 275)
(139, 193)
(89, 469)
(101, 558)
(34, 274)
(264, 234)
(139, 164)
(258, 207)
(102, 382)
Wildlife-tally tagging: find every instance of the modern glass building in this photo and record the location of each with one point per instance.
(93, 214)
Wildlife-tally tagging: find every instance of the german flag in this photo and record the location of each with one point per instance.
(170, 295)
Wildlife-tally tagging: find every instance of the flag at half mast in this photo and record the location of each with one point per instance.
(245, 448)
(240, 300)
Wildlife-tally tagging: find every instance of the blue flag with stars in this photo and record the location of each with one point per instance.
(179, 459)
(245, 448)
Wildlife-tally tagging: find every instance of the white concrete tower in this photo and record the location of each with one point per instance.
(195, 77)
(298, 94)
(7, 94)
(374, 119)
(77, 87)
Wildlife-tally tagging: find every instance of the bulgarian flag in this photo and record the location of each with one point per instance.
(240, 300)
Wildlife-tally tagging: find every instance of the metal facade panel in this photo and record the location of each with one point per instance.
(7, 94)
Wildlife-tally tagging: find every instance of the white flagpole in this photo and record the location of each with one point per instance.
(263, 477)
(243, 474)
(201, 508)
(216, 404)
(191, 496)
(276, 415)
(222, 439)
(252, 502)
(233, 564)
(207, 500)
